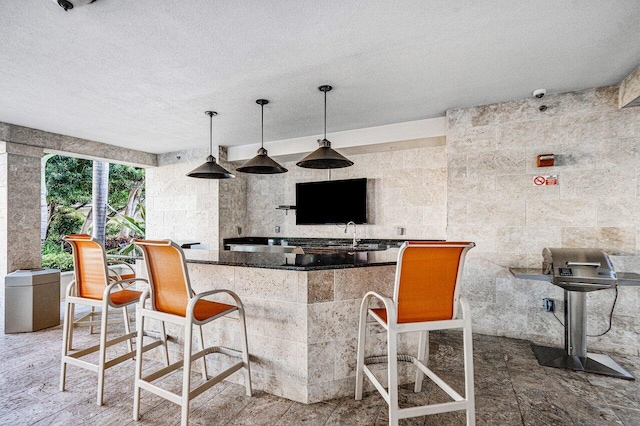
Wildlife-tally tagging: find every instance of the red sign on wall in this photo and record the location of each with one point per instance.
(545, 180)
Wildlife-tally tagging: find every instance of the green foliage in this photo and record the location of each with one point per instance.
(66, 220)
(113, 228)
(52, 247)
(122, 179)
(68, 180)
(137, 227)
(62, 261)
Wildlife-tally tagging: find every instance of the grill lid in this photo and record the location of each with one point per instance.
(578, 266)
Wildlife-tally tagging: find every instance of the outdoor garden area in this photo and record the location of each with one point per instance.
(85, 196)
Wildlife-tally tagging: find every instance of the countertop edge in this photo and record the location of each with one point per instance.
(290, 267)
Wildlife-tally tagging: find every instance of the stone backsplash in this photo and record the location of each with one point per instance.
(406, 188)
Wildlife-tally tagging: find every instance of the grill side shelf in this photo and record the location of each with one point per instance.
(628, 278)
(532, 274)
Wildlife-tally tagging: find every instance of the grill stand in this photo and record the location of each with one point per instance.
(575, 355)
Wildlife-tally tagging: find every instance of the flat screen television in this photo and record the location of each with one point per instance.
(330, 202)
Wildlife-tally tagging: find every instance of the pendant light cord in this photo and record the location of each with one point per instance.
(262, 124)
(211, 135)
(325, 115)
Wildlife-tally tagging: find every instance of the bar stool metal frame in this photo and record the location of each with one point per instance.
(94, 286)
(420, 304)
(173, 300)
(114, 275)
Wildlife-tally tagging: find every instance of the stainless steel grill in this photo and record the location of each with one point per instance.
(577, 271)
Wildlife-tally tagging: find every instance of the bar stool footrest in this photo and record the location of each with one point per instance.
(383, 359)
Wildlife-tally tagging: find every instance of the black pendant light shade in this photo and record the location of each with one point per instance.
(324, 157)
(262, 164)
(210, 169)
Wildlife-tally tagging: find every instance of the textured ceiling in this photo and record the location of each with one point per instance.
(141, 73)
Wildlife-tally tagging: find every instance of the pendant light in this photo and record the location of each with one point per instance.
(262, 163)
(210, 169)
(324, 157)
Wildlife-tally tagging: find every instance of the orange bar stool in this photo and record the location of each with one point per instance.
(426, 297)
(93, 286)
(173, 300)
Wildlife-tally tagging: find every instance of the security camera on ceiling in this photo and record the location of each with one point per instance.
(70, 4)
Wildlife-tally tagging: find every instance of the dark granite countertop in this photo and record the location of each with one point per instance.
(314, 242)
(295, 262)
(318, 253)
(288, 261)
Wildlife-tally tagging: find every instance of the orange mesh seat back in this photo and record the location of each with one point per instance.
(89, 265)
(427, 281)
(169, 287)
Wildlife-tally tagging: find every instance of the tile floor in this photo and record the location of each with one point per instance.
(511, 389)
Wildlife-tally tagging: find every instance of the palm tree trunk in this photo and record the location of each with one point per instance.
(87, 222)
(100, 197)
(132, 203)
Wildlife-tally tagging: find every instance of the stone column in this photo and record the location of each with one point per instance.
(20, 169)
(232, 202)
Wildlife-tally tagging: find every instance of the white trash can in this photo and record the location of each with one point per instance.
(31, 300)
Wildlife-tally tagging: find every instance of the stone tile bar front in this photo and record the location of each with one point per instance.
(302, 324)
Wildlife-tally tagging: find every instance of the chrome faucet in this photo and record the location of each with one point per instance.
(355, 230)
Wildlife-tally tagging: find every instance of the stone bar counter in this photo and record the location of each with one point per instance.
(302, 312)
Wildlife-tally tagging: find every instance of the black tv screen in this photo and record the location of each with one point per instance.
(338, 201)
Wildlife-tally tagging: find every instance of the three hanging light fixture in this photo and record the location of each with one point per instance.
(210, 169)
(324, 157)
(262, 163)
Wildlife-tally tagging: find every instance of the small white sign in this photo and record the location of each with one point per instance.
(545, 180)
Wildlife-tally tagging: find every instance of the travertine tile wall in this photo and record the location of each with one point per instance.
(407, 188)
(491, 199)
(190, 209)
(180, 207)
(232, 203)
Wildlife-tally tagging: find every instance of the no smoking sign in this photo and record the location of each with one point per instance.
(545, 180)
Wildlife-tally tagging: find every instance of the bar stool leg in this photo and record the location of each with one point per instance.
(245, 354)
(65, 345)
(204, 357)
(468, 368)
(186, 380)
(72, 314)
(103, 350)
(362, 332)
(127, 327)
(423, 357)
(392, 350)
(91, 318)
(163, 332)
(139, 352)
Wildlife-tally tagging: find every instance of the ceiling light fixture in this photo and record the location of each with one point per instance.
(210, 169)
(262, 163)
(70, 4)
(324, 157)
